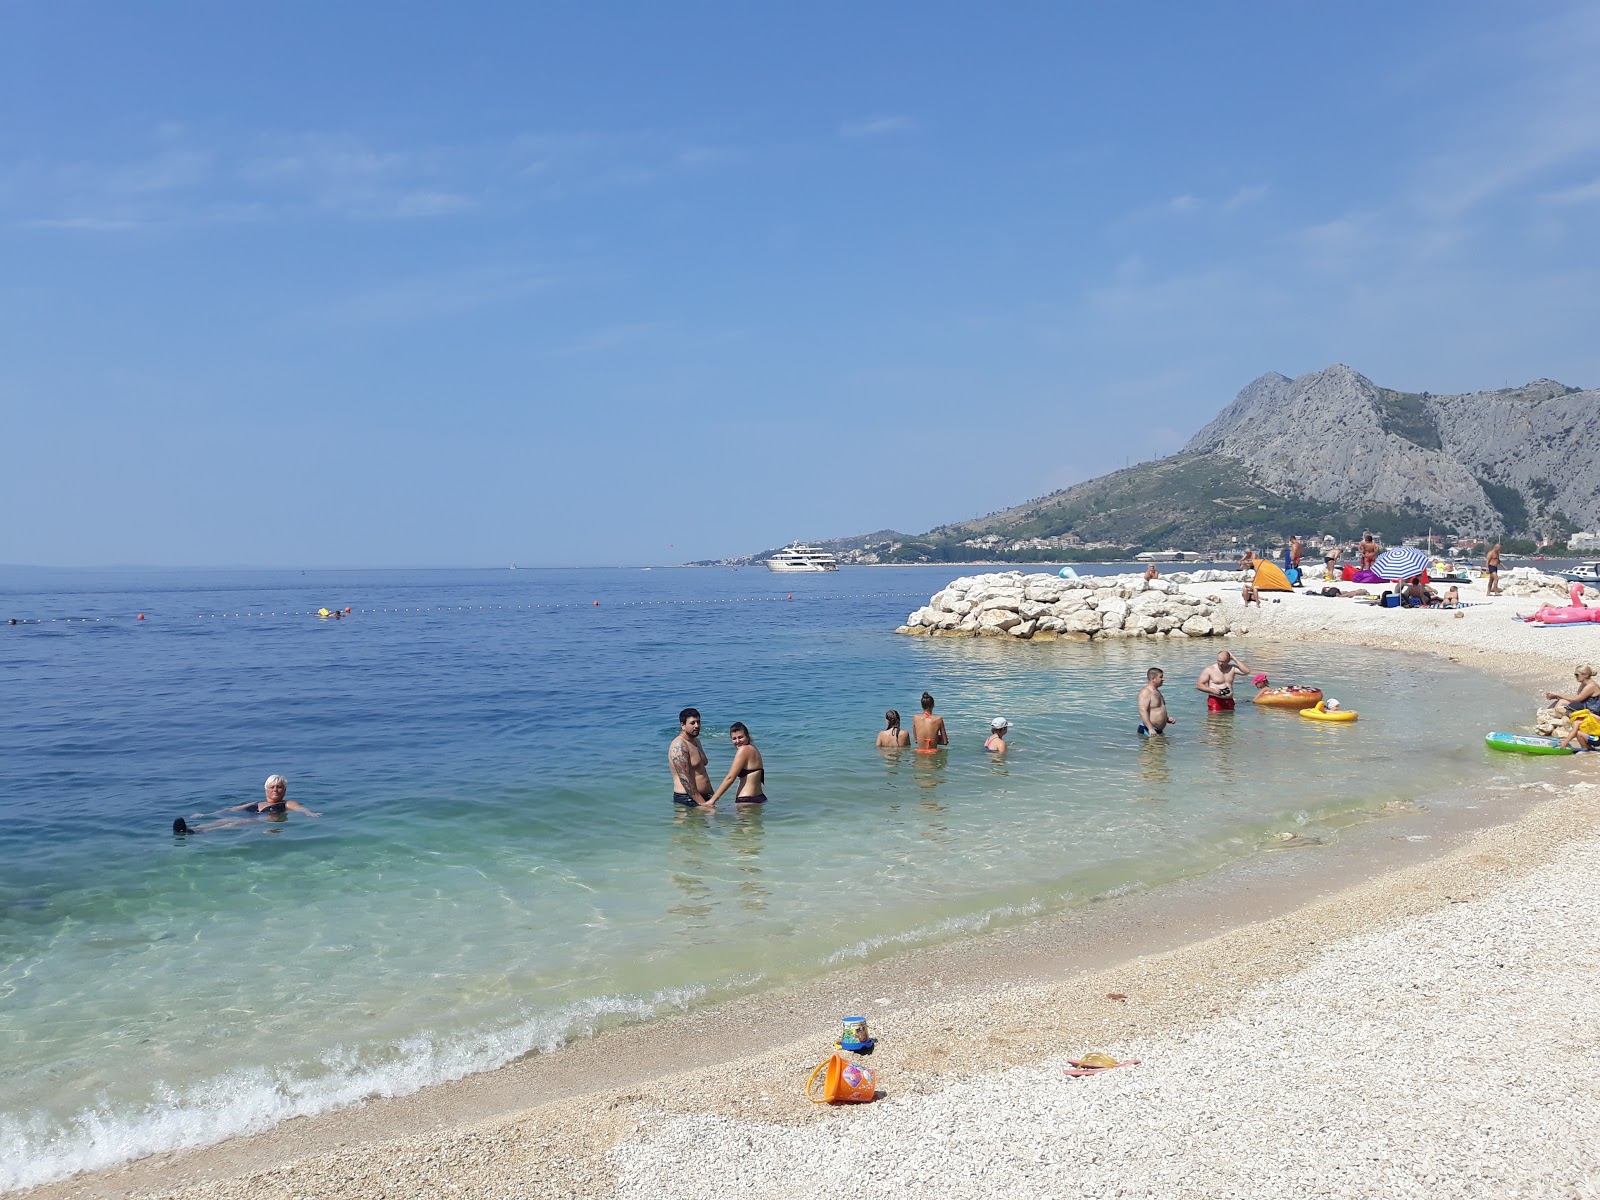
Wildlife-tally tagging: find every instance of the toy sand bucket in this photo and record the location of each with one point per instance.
(845, 1082)
(854, 1036)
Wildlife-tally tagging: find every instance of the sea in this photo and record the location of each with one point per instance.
(497, 868)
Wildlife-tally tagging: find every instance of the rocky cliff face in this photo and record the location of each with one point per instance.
(1542, 439)
(1335, 437)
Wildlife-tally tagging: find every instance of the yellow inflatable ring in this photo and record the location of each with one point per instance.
(1317, 713)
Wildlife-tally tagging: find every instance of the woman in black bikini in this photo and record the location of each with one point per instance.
(746, 767)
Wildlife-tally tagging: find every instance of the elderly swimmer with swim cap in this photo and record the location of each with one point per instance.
(276, 804)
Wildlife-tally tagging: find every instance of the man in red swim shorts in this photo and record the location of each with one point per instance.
(1217, 681)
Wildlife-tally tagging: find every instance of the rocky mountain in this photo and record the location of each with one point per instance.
(1520, 461)
(1327, 452)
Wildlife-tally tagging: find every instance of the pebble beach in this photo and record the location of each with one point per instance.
(1426, 1027)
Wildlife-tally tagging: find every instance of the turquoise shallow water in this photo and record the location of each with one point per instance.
(499, 868)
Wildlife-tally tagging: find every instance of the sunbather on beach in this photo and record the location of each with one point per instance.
(1418, 593)
(927, 729)
(893, 737)
(1452, 597)
(1217, 681)
(1153, 718)
(746, 767)
(276, 804)
(686, 758)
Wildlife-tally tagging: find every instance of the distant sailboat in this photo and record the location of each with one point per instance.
(513, 566)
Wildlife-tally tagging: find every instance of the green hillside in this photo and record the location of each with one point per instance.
(1188, 501)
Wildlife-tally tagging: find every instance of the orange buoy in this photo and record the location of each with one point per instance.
(141, 616)
(597, 604)
(791, 595)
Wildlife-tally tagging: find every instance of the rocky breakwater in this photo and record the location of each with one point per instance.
(1049, 608)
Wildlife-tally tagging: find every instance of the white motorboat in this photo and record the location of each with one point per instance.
(802, 558)
(1588, 573)
(1167, 556)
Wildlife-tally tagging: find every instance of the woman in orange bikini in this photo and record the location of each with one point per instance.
(927, 729)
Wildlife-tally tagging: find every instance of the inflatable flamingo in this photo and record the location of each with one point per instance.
(1575, 612)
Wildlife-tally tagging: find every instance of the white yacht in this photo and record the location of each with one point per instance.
(1167, 556)
(1588, 572)
(802, 558)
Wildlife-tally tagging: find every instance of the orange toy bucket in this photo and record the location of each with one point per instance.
(845, 1082)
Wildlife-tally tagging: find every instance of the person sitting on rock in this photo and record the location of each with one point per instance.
(1582, 708)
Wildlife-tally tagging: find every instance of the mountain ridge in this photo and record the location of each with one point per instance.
(1326, 452)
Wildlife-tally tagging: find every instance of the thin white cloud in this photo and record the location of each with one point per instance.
(1583, 193)
(431, 297)
(85, 224)
(876, 126)
(614, 337)
(432, 204)
(336, 175)
(1244, 196)
(1182, 204)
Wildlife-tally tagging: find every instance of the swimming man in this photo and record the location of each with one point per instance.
(691, 775)
(1153, 716)
(928, 730)
(1217, 680)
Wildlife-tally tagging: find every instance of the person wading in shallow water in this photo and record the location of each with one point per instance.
(1217, 681)
(1153, 716)
(893, 737)
(691, 780)
(746, 767)
(927, 729)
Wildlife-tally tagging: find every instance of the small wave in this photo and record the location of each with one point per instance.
(938, 931)
(41, 1150)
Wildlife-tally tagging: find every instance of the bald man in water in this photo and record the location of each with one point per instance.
(1217, 681)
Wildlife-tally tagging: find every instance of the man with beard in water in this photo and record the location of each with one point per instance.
(1217, 680)
(691, 777)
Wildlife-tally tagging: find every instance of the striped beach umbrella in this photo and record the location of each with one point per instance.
(1400, 562)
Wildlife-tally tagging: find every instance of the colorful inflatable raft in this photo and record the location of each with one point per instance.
(1289, 697)
(1516, 743)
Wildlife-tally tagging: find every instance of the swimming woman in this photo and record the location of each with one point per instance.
(746, 767)
(893, 737)
(276, 803)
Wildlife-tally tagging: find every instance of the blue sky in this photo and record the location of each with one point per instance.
(403, 284)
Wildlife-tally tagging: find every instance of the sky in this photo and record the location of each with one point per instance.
(398, 284)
